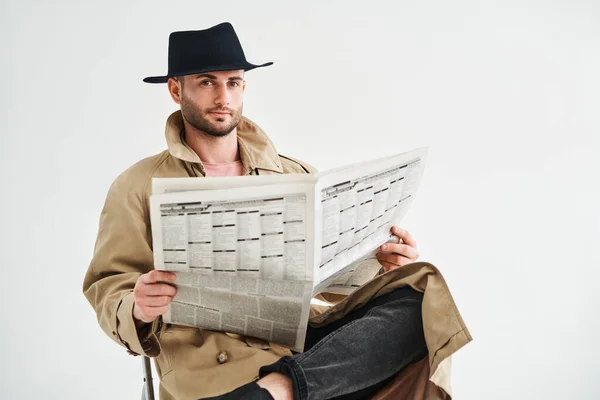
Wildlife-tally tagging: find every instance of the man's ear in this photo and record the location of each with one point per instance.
(175, 89)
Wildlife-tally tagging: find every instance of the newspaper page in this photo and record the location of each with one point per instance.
(240, 258)
(250, 252)
(356, 209)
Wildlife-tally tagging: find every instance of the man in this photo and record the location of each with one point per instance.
(350, 355)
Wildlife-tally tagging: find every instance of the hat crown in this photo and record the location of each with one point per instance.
(219, 45)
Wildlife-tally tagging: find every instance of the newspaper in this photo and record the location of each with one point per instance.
(251, 252)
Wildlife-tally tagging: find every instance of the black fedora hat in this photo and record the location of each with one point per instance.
(213, 49)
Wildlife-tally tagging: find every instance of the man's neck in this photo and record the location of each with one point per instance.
(211, 149)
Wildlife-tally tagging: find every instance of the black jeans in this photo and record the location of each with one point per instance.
(357, 355)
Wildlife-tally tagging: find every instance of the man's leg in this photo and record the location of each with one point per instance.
(352, 357)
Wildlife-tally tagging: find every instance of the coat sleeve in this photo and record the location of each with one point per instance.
(122, 253)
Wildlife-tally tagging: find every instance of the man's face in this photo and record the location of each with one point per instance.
(212, 102)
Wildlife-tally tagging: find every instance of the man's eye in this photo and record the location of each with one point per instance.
(234, 83)
(206, 83)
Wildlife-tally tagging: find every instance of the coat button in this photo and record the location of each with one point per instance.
(222, 357)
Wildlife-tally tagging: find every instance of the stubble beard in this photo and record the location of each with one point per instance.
(198, 118)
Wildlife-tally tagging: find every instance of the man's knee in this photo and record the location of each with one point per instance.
(401, 309)
(404, 295)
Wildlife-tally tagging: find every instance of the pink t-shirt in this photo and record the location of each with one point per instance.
(234, 168)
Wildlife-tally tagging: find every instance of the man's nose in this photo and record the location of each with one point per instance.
(223, 96)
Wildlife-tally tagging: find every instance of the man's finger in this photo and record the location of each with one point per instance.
(153, 312)
(158, 276)
(389, 266)
(395, 259)
(403, 249)
(405, 236)
(159, 289)
(155, 301)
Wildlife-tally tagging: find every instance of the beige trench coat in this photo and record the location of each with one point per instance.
(186, 358)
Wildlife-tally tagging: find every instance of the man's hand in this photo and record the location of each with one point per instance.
(396, 255)
(152, 296)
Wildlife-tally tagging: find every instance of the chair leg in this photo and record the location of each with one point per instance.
(148, 388)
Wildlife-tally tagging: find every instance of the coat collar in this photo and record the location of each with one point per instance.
(256, 149)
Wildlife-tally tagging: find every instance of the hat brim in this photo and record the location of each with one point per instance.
(246, 67)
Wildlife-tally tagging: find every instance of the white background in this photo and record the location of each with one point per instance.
(505, 93)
